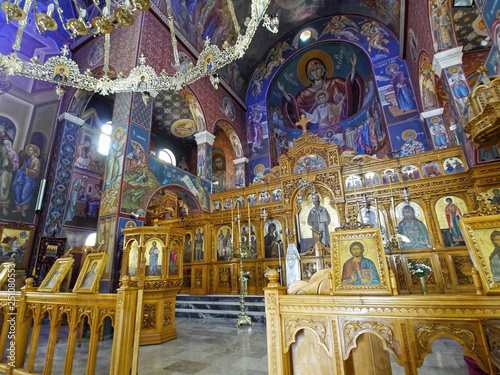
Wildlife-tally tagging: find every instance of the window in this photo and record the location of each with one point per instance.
(105, 139)
(91, 239)
(167, 156)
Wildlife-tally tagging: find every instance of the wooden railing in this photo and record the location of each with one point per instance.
(325, 334)
(31, 307)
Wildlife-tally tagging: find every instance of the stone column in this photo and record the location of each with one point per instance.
(241, 172)
(204, 140)
(131, 123)
(448, 65)
(60, 190)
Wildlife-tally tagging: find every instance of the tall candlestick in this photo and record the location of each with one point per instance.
(249, 228)
(356, 193)
(232, 225)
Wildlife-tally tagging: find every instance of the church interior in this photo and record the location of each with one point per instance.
(338, 161)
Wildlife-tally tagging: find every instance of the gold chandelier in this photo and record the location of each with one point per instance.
(64, 71)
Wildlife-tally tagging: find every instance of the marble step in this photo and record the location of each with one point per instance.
(256, 316)
(220, 297)
(219, 307)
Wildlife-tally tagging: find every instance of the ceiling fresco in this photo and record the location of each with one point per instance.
(173, 116)
(470, 29)
(197, 19)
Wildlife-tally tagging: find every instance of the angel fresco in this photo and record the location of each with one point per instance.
(258, 80)
(342, 27)
(275, 57)
(375, 36)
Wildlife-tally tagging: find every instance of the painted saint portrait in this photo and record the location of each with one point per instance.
(449, 211)
(410, 172)
(353, 183)
(371, 179)
(411, 227)
(142, 81)
(358, 269)
(309, 163)
(453, 165)
(390, 176)
(228, 203)
(61, 74)
(248, 236)
(228, 107)
(217, 206)
(317, 219)
(264, 197)
(482, 236)
(427, 82)
(91, 272)
(277, 195)
(208, 62)
(252, 200)
(438, 132)
(224, 243)
(188, 248)
(431, 169)
(273, 239)
(495, 256)
(133, 259)
(371, 216)
(154, 258)
(198, 245)
(173, 267)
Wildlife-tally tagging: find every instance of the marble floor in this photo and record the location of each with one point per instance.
(215, 346)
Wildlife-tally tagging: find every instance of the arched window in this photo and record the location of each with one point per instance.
(105, 139)
(167, 156)
(91, 239)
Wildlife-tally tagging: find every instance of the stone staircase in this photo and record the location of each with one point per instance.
(219, 306)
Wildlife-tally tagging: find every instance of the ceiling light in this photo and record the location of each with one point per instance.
(304, 35)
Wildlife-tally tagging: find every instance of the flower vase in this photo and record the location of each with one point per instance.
(423, 284)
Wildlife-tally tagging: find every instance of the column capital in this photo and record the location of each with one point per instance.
(240, 160)
(72, 118)
(433, 112)
(204, 137)
(445, 59)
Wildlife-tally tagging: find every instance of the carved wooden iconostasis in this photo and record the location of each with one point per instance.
(416, 200)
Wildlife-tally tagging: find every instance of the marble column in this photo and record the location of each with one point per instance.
(204, 140)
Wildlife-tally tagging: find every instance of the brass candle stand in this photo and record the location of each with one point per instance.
(243, 252)
(243, 318)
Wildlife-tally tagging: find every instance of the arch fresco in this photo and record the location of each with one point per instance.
(271, 129)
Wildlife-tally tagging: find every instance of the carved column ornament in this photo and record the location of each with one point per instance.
(430, 219)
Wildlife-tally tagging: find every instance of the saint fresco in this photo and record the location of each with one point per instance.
(449, 211)
(411, 227)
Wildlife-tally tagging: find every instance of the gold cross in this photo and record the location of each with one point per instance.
(482, 70)
(303, 123)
